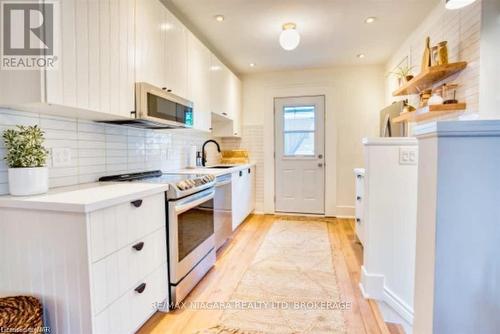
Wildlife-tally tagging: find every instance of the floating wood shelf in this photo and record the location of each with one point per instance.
(429, 112)
(429, 77)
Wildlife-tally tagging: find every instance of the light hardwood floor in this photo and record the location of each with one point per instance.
(235, 257)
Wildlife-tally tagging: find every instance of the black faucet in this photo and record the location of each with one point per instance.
(203, 155)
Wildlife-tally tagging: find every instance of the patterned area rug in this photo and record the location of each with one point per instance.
(290, 287)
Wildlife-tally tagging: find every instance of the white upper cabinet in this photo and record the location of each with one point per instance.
(199, 83)
(94, 77)
(220, 88)
(176, 70)
(227, 93)
(151, 21)
(161, 51)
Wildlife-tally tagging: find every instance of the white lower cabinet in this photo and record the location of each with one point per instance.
(360, 202)
(129, 312)
(243, 192)
(103, 271)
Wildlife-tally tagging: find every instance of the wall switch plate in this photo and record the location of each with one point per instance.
(408, 155)
(61, 157)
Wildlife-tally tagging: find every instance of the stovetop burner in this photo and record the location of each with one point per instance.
(181, 185)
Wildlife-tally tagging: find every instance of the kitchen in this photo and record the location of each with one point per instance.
(170, 153)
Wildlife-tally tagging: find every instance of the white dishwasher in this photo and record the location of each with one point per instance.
(222, 210)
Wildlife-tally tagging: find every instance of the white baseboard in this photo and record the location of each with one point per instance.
(403, 309)
(344, 211)
(371, 285)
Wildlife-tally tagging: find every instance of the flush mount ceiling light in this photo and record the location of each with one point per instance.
(219, 18)
(289, 37)
(252, 64)
(370, 19)
(360, 55)
(457, 4)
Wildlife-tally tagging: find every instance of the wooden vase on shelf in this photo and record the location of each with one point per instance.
(426, 58)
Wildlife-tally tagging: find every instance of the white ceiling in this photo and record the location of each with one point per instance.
(332, 32)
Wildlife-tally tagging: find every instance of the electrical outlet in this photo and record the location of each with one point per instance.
(408, 155)
(61, 157)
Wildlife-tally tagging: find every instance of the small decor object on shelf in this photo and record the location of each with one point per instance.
(450, 93)
(435, 99)
(426, 58)
(424, 97)
(442, 53)
(403, 73)
(435, 55)
(26, 158)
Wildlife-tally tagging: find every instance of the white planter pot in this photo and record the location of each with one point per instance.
(28, 181)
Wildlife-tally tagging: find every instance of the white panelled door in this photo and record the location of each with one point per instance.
(299, 154)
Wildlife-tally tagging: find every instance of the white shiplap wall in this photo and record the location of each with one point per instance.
(253, 141)
(101, 149)
(461, 28)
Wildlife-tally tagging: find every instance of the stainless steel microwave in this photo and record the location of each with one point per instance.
(156, 108)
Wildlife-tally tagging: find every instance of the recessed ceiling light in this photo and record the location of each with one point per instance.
(252, 64)
(219, 18)
(215, 68)
(370, 19)
(361, 55)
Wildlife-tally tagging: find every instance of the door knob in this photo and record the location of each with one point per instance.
(320, 156)
(320, 164)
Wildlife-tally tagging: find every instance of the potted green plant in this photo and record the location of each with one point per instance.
(26, 158)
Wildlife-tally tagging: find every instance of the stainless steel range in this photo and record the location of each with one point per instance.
(190, 226)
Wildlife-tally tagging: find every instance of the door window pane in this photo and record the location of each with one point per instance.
(298, 130)
(299, 143)
(299, 118)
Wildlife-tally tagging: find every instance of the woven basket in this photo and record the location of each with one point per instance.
(21, 314)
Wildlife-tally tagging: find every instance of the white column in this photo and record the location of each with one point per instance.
(458, 228)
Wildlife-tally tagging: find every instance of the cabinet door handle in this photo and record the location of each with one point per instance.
(224, 113)
(358, 220)
(358, 198)
(249, 170)
(358, 176)
(137, 203)
(140, 288)
(138, 246)
(241, 173)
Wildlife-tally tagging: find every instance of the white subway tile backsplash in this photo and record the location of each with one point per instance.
(101, 149)
(86, 126)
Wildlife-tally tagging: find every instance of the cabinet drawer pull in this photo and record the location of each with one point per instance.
(358, 198)
(140, 288)
(224, 113)
(137, 203)
(241, 173)
(138, 246)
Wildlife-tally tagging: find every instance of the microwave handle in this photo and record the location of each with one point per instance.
(190, 203)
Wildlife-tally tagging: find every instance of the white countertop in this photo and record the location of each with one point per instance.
(212, 171)
(85, 197)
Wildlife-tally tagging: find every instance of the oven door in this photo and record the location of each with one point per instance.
(190, 232)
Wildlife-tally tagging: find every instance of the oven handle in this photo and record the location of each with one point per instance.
(193, 201)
